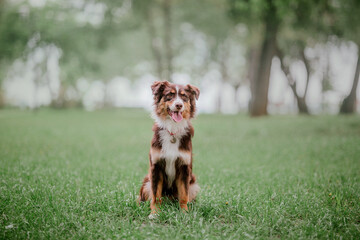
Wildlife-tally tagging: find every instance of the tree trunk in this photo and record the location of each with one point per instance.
(2, 97)
(59, 102)
(167, 39)
(35, 97)
(253, 59)
(349, 104)
(260, 83)
(300, 101)
(48, 84)
(154, 43)
(236, 97)
(219, 98)
(106, 100)
(308, 71)
(223, 55)
(302, 106)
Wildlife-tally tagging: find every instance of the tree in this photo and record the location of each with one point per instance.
(288, 28)
(349, 103)
(14, 35)
(24, 29)
(157, 16)
(265, 14)
(349, 29)
(83, 43)
(310, 23)
(223, 42)
(300, 100)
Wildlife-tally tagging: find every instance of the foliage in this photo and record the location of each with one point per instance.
(102, 39)
(346, 18)
(13, 34)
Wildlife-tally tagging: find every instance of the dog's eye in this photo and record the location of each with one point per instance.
(169, 96)
(183, 96)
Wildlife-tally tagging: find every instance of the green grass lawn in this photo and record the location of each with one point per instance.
(74, 174)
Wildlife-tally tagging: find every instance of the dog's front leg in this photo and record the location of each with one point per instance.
(182, 184)
(157, 181)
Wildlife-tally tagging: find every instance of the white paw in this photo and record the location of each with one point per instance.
(153, 216)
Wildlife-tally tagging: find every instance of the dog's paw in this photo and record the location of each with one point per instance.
(153, 216)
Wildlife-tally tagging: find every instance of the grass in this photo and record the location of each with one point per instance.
(76, 175)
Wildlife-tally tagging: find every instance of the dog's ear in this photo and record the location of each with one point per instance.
(157, 89)
(194, 90)
(195, 93)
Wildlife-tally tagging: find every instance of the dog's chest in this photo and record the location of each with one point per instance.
(170, 153)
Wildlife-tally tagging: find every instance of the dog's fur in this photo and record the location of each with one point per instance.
(170, 172)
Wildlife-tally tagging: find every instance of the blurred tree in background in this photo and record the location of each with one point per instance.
(347, 18)
(13, 39)
(287, 29)
(265, 16)
(234, 44)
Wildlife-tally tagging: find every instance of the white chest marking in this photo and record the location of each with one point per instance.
(170, 152)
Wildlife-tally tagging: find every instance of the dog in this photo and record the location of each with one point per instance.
(170, 172)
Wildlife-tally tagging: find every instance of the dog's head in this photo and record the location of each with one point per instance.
(174, 101)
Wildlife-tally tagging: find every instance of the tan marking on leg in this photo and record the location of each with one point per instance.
(183, 195)
(156, 197)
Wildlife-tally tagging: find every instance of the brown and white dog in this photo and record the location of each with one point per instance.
(170, 173)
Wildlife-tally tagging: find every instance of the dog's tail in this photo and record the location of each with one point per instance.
(145, 190)
(193, 191)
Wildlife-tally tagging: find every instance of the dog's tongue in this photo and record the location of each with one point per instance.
(176, 116)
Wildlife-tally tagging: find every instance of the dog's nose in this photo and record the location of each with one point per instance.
(178, 106)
